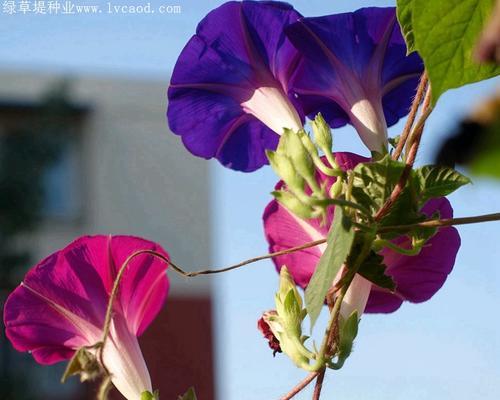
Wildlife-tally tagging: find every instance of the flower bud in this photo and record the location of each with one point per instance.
(286, 322)
(283, 166)
(300, 157)
(322, 134)
(292, 203)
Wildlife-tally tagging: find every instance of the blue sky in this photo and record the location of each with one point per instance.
(447, 348)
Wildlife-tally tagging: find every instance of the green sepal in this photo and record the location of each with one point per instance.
(348, 332)
(83, 363)
(189, 395)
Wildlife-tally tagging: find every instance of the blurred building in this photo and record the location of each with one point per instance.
(117, 170)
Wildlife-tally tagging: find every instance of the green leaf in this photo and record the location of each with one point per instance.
(189, 395)
(445, 34)
(377, 180)
(339, 243)
(437, 181)
(373, 269)
(404, 12)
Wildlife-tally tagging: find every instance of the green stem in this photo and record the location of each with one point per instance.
(401, 250)
(321, 359)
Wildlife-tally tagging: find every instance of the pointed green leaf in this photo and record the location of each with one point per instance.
(377, 179)
(339, 243)
(373, 269)
(438, 181)
(446, 33)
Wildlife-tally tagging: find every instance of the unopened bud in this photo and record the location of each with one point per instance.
(300, 157)
(283, 166)
(322, 134)
(292, 203)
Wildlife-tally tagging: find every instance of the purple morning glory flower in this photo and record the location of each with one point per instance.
(61, 304)
(229, 92)
(417, 278)
(354, 69)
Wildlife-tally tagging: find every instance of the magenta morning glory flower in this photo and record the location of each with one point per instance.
(61, 304)
(354, 69)
(229, 93)
(417, 278)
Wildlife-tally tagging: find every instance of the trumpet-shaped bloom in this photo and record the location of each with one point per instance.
(417, 278)
(354, 69)
(61, 305)
(229, 93)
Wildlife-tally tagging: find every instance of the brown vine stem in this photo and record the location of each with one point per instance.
(411, 116)
(300, 386)
(249, 261)
(436, 223)
(425, 224)
(414, 142)
(319, 385)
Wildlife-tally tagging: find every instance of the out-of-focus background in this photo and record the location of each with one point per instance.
(85, 148)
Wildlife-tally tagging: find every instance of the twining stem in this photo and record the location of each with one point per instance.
(319, 385)
(249, 261)
(328, 340)
(411, 116)
(436, 223)
(300, 386)
(414, 143)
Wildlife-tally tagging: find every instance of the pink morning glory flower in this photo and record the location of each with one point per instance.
(417, 278)
(60, 306)
(229, 95)
(354, 69)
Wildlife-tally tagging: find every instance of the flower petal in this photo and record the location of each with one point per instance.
(231, 77)
(61, 304)
(417, 278)
(285, 230)
(356, 62)
(124, 360)
(144, 286)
